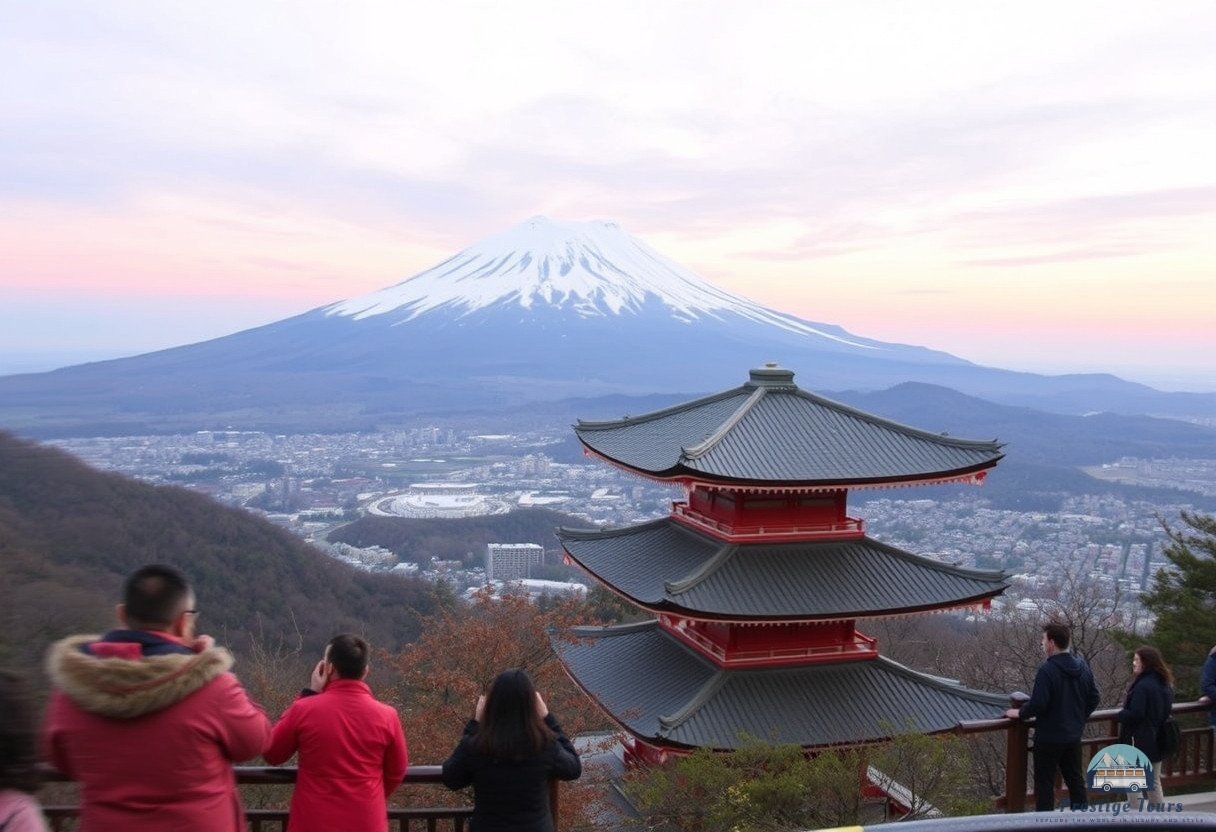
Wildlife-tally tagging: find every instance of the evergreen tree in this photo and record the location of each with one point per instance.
(1183, 597)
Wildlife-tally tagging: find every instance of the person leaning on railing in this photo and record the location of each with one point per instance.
(1063, 697)
(1207, 686)
(352, 749)
(510, 751)
(148, 718)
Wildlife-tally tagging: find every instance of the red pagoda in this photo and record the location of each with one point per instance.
(758, 579)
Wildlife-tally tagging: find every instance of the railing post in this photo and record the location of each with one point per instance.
(1017, 741)
(553, 793)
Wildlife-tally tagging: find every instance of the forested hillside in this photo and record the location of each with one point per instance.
(69, 534)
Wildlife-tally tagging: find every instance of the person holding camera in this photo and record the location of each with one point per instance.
(509, 752)
(352, 749)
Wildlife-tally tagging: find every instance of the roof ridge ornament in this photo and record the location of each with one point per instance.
(772, 375)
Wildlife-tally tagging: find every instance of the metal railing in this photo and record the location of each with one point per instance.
(431, 819)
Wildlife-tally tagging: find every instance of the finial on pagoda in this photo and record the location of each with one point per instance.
(771, 374)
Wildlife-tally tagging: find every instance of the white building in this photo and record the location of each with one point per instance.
(512, 561)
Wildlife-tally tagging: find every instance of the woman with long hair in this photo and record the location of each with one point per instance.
(19, 811)
(1149, 701)
(510, 751)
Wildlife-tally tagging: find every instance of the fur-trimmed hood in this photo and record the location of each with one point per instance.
(124, 688)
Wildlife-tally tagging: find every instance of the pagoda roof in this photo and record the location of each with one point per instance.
(667, 694)
(770, 431)
(665, 566)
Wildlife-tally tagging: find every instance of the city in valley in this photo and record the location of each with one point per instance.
(314, 483)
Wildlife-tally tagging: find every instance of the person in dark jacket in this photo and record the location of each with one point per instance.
(510, 751)
(1207, 685)
(1064, 696)
(1149, 700)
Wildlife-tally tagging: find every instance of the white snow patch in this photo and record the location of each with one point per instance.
(591, 268)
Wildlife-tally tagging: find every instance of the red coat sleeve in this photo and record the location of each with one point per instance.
(396, 756)
(243, 726)
(285, 738)
(52, 730)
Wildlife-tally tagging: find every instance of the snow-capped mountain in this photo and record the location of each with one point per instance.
(544, 311)
(588, 268)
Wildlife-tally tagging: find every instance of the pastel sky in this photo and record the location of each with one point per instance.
(1029, 185)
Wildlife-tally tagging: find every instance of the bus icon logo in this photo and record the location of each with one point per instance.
(1120, 768)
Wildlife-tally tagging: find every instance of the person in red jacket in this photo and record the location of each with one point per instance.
(352, 749)
(147, 718)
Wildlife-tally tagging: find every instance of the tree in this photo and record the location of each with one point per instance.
(1183, 597)
(936, 772)
(761, 787)
(440, 676)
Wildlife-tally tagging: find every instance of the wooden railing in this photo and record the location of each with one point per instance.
(1193, 763)
(432, 819)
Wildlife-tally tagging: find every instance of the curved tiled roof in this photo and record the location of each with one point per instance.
(667, 567)
(667, 694)
(770, 431)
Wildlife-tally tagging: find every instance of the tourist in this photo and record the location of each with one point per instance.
(1063, 697)
(148, 719)
(352, 749)
(19, 811)
(1207, 687)
(510, 751)
(1149, 701)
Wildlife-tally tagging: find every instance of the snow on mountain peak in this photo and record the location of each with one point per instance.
(589, 268)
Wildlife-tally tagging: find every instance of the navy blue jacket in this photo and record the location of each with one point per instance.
(1207, 685)
(1064, 696)
(1149, 701)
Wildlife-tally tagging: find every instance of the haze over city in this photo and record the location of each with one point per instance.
(1024, 186)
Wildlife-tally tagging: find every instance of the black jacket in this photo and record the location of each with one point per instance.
(1149, 701)
(510, 795)
(1064, 696)
(1207, 685)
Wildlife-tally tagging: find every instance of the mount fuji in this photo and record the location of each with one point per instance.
(544, 311)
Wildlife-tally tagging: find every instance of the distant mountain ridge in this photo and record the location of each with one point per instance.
(545, 311)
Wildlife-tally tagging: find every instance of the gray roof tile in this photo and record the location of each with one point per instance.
(768, 431)
(665, 693)
(665, 566)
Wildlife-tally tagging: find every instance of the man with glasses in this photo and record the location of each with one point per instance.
(148, 718)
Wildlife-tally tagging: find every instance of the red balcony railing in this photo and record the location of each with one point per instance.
(743, 533)
(860, 646)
